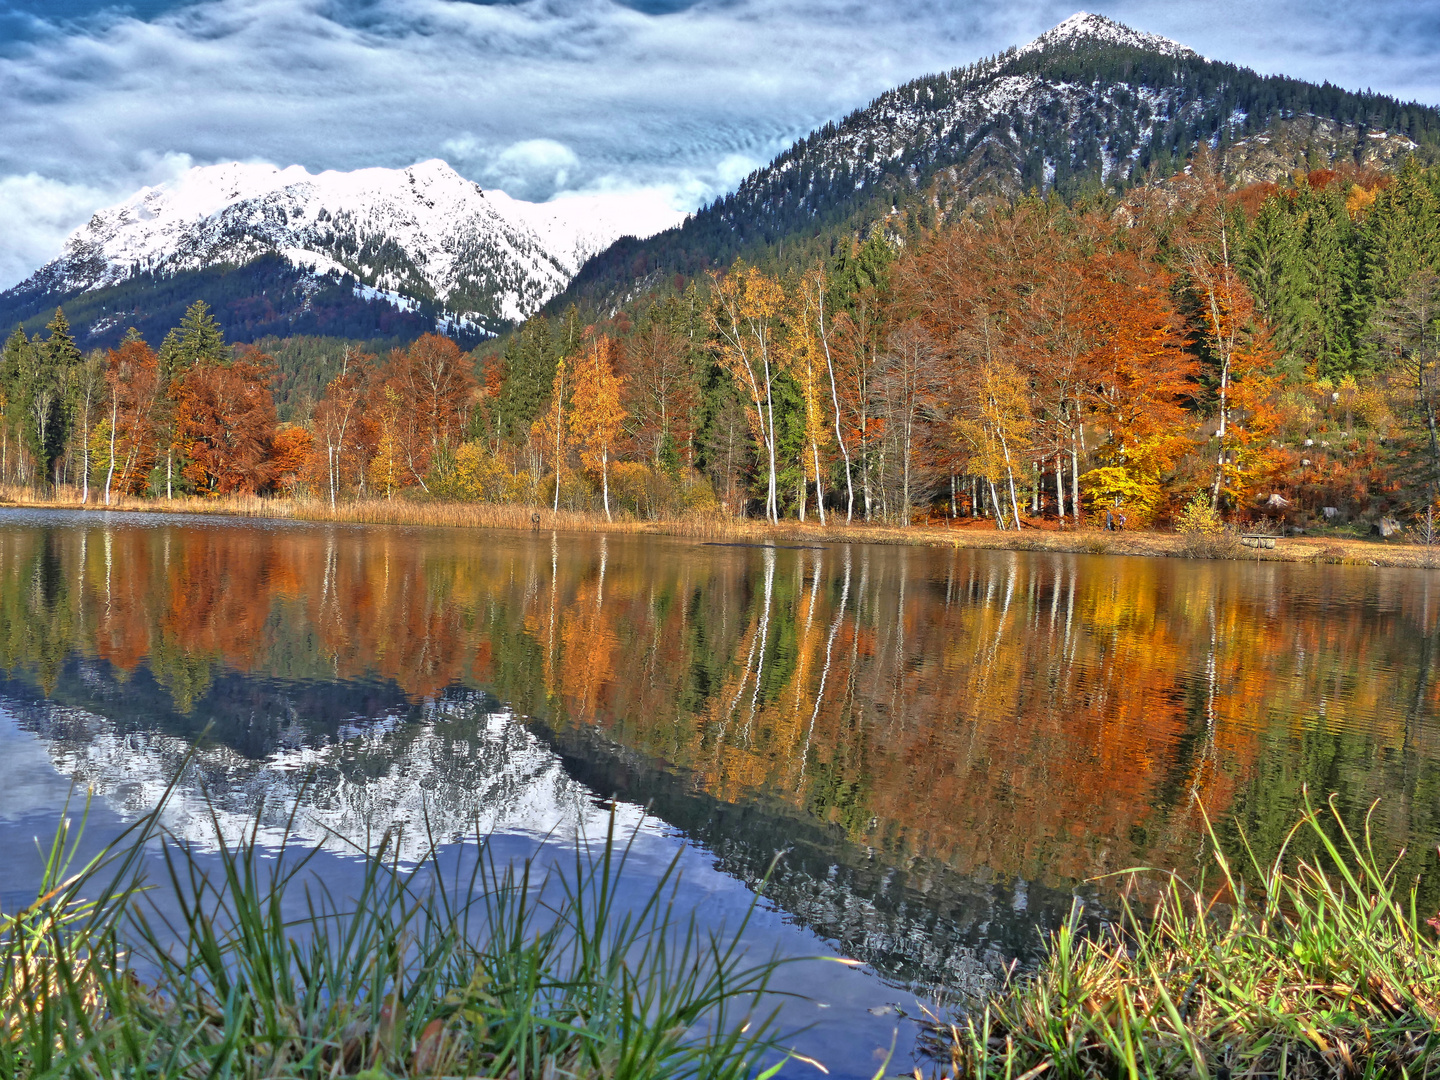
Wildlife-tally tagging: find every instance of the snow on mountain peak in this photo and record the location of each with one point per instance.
(423, 232)
(1085, 26)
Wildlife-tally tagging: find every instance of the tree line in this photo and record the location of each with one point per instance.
(1268, 350)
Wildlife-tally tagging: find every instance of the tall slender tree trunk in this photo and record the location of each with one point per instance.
(865, 469)
(110, 472)
(1075, 475)
(559, 421)
(1060, 485)
(605, 480)
(996, 506)
(773, 505)
(819, 487)
(839, 436)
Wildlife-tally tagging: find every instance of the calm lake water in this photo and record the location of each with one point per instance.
(948, 745)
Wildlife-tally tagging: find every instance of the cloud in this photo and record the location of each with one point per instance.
(680, 97)
(38, 209)
(532, 164)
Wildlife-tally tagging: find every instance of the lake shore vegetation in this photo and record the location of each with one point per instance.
(499, 971)
(1340, 546)
(1268, 353)
(1319, 966)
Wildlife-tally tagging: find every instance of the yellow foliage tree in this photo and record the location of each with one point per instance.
(596, 414)
(747, 317)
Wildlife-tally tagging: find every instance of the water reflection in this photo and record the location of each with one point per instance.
(947, 742)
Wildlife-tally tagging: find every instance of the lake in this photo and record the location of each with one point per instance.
(947, 745)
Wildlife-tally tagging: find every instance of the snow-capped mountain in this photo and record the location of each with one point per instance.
(1084, 29)
(1087, 105)
(417, 238)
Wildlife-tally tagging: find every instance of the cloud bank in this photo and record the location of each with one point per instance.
(539, 97)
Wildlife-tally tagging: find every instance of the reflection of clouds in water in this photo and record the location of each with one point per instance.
(29, 781)
(423, 779)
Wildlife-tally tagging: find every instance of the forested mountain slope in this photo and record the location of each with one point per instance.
(1089, 105)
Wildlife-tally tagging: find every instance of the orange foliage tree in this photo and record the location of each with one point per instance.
(225, 421)
(132, 383)
(1142, 379)
(661, 397)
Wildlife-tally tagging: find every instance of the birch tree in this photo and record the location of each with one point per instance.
(747, 318)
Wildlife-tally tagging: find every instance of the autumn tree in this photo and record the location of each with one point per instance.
(132, 385)
(1141, 380)
(86, 391)
(858, 288)
(196, 342)
(747, 317)
(1232, 340)
(661, 394)
(342, 429)
(550, 431)
(225, 425)
(910, 391)
(434, 383)
(812, 364)
(290, 450)
(596, 415)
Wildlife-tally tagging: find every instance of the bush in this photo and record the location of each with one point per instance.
(1205, 534)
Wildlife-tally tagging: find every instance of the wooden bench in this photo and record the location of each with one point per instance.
(1257, 540)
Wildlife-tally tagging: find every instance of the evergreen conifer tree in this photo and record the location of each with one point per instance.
(529, 371)
(198, 338)
(1401, 239)
(14, 364)
(1278, 275)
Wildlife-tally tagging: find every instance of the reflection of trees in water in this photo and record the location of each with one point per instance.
(1038, 718)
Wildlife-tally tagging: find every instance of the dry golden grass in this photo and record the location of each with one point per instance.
(720, 528)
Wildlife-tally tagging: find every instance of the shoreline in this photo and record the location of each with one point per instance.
(1334, 550)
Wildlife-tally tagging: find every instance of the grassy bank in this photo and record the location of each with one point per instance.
(713, 528)
(497, 975)
(1324, 970)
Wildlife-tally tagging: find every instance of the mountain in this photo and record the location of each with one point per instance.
(287, 251)
(1090, 105)
(385, 254)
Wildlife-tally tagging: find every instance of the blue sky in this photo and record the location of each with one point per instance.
(675, 97)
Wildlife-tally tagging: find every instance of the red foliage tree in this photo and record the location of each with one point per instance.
(225, 420)
(132, 385)
(432, 385)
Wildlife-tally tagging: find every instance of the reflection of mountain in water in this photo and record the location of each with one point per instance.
(461, 765)
(443, 771)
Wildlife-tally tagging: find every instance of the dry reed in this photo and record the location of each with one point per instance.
(724, 528)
